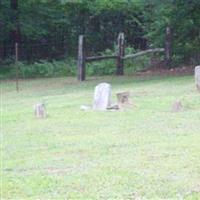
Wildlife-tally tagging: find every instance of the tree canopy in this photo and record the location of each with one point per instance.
(143, 22)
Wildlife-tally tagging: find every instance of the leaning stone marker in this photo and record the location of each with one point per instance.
(102, 95)
(197, 77)
(40, 110)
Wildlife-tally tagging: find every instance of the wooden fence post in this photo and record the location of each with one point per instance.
(81, 59)
(168, 46)
(120, 54)
(17, 66)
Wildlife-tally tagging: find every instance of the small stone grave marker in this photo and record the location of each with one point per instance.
(177, 106)
(123, 97)
(40, 110)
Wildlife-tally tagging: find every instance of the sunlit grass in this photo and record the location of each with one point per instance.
(143, 152)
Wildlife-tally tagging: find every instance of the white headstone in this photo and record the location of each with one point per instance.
(197, 77)
(102, 95)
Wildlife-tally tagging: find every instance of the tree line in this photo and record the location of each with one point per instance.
(49, 29)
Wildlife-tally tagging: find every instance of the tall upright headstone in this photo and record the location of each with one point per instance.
(197, 77)
(102, 95)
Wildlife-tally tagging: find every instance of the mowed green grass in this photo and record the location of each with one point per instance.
(145, 151)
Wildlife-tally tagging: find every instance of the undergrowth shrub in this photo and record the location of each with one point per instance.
(108, 67)
(48, 69)
(103, 67)
(68, 67)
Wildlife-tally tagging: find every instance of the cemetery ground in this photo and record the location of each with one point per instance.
(145, 151)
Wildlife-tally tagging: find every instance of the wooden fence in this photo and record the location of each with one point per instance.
(120, 54)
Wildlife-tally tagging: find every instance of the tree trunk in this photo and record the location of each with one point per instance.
(15, 32)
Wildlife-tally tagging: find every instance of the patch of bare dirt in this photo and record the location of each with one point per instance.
(197, 189)
(49, 170)
(179, 71)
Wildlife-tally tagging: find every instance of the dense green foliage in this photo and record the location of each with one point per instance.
(184, 19)
(49, 30)
(68, 67)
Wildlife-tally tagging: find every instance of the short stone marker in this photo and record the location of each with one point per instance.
(40, 110)
(123, 97)
(177, 106)
(197, 77)
(102, 95)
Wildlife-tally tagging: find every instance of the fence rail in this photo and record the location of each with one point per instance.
(144, 52)
(120, 54)
(97, 58)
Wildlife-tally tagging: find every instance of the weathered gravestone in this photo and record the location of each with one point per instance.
(102, 95)
(123, 97)
(177, 106)
(40, 110)
(197, 77)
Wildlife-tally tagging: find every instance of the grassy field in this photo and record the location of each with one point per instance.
(144, 152)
